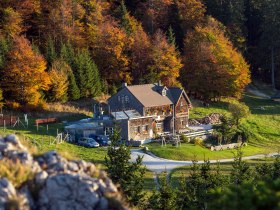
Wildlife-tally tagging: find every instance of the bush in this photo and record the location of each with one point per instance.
(15, 172)
(184, 139)
(197, 141)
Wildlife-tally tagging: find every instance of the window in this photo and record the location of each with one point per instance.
(182, 103)
(144, 128)
(135, 129)
(119, 98)
(164, 92)
(126, 98)
(108, 131)
(159, 125)
(122, 99)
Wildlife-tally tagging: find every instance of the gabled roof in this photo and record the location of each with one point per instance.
(150, 95)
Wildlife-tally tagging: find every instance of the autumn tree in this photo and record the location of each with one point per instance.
(11, 24)
(24, 74)
(139, 55)
(191, 13)
(165, 61)
(1, 98)
(110, 42)
(213, 68)
(59, 81)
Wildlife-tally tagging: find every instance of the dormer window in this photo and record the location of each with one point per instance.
(163, 93)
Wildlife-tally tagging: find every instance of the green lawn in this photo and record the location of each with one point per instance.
(263, 123)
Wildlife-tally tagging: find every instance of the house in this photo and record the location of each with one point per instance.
(144, 111)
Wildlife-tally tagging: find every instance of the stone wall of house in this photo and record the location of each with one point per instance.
(140, 129)
(55, 183)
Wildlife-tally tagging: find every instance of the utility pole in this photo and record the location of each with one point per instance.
(272, 68)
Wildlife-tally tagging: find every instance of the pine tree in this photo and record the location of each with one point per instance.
(87, 75)
(171, 37)
(165, 197)
(50, 53)
(67, 53)
(128, 175)
(241, 172)
(73, 89)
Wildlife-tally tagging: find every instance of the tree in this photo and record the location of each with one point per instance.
(110, 42)
(259, 195)
(241, 172)
(139, 55)
(128, 175)
(165, 61)
(225, 129)
(24, 74)
(191, 13)
(73, 89)
(11, 23)
(213, 68)
(232, 14)
(164, 198)
(238, 111)
(87, 75)
(59, 81)
(1, 98)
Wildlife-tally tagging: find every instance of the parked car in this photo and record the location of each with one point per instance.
(101, 139)
(88, 142)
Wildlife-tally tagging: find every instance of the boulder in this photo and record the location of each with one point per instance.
(57, 184)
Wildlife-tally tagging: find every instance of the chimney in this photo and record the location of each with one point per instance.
(159, 83)
(124, 84)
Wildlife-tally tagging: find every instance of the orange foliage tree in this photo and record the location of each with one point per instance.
(213, 68)
(165, 61)
(109, 44)
(24, 74)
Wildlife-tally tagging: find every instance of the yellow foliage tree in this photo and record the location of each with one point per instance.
(24, 74)
(165, 61)
(11, 23)
(213, 68)
(59, 81)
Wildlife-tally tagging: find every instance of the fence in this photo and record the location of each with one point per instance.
(7, 120)
(198, 133)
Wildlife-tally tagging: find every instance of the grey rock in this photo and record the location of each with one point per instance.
(41, 177)
(7, 191)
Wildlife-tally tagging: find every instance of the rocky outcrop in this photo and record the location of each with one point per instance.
(56, 183)
(212, 119)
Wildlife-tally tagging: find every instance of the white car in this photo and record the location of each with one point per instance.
(88, 142)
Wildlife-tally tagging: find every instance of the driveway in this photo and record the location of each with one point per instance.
(157, 164)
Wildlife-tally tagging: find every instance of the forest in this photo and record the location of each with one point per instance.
(70, 49)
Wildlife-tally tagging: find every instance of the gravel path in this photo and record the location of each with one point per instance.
(157, 164)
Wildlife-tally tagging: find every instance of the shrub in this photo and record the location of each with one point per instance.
(15, 172)
(184, 139)
(198, 141)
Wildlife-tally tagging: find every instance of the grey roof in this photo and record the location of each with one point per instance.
(149, 95)
(176, 93)
(127, 114)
